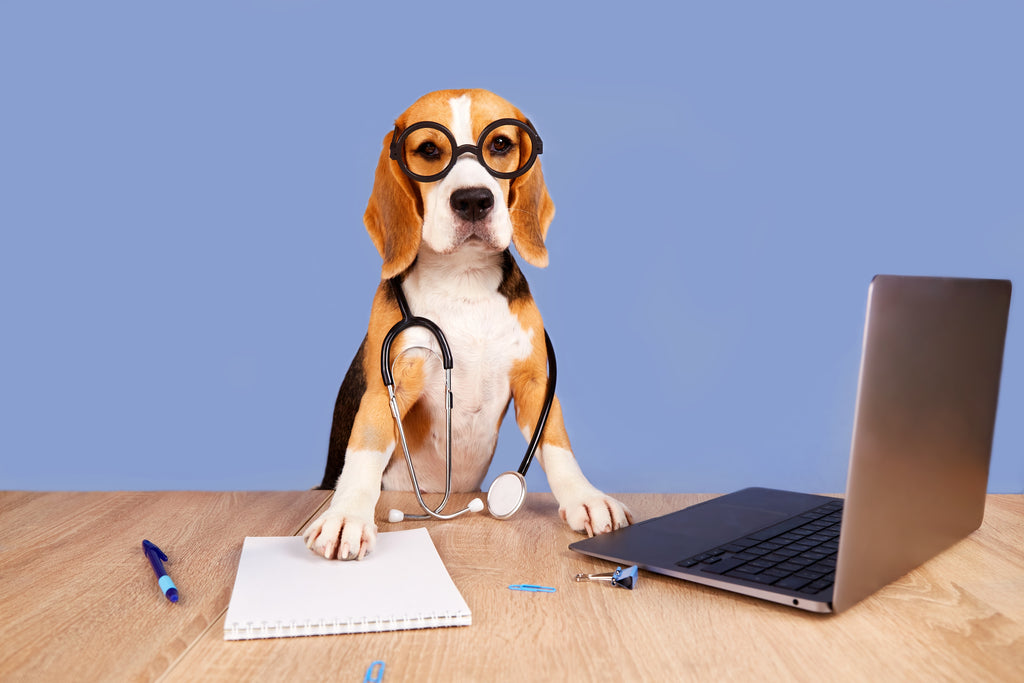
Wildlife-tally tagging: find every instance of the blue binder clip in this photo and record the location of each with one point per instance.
(623, 578)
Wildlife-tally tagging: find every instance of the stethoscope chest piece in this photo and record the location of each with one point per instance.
(506, 495)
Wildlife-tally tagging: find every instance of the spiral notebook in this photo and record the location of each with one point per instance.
(282, 589)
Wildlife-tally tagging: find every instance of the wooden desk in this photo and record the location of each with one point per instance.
(78, 601)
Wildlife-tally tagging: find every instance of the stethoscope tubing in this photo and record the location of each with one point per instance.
(408, 320)
(542, 419)
(436, 513)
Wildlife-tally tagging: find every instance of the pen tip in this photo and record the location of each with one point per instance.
(172, 595)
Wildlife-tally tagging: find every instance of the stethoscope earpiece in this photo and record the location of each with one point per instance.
(508, 491)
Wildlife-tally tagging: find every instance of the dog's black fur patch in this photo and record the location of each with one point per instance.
(513, 283)
(350, 395)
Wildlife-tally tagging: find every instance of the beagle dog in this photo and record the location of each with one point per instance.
(457, 183)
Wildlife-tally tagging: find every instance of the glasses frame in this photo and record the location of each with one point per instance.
(397, 140)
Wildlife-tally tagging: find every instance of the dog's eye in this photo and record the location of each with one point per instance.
(428, 150)
(501, 145)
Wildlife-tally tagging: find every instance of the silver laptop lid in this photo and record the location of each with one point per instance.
(922, 434)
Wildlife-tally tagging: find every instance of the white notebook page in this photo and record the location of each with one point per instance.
(283, 589)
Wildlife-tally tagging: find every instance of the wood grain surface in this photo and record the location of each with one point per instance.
(79, 602)
(78, 599)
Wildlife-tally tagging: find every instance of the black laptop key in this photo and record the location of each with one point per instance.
(794, 582)
(822, 568)
(776, 557)
(756, 550)
(724, 565)
(753, 578)
(811, 574)
(801, 547)
(777, 572)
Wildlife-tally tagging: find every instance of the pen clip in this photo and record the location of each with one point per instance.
(150, 547)
(530, 588)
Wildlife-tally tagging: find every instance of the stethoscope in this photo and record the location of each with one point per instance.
(508, 490)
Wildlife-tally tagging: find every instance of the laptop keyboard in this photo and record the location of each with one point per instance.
(798, 554)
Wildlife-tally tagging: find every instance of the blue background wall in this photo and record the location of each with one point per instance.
(184, 274)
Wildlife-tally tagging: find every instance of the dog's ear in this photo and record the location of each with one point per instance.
(393, 215)
(531, 210)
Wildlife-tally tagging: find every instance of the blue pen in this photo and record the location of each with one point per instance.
(155, 556)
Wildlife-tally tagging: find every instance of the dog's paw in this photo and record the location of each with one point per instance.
(595, 513)
(336, 534)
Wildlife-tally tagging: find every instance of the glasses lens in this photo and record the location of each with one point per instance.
(508, 148)
(426, 151)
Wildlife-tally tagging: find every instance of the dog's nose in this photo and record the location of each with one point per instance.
(472, 203)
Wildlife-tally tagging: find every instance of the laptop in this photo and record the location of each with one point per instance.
(918, 474)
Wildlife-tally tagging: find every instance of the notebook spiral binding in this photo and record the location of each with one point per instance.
(323, 627)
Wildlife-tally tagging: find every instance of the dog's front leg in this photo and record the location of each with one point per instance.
(581, 505)
(347, 529)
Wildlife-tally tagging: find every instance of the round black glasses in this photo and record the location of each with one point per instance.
(426, 151)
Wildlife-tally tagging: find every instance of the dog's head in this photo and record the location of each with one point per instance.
(459, 168)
